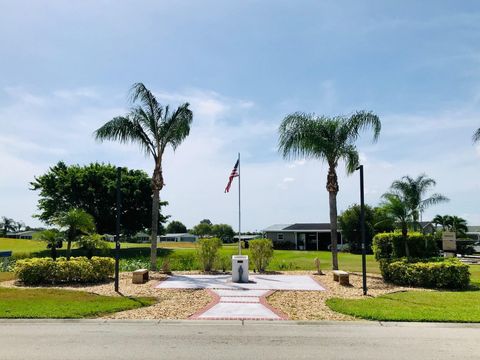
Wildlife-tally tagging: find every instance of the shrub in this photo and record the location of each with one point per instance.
(223, 262)
(208, 251)
(390, 246)
(261, 252)
(36, 271)
(434, 273)
(284, 245)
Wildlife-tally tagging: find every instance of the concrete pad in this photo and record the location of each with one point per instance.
(242, 311)
(258, 282)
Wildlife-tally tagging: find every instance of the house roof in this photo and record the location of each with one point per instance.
(299, 227)
(179, 235)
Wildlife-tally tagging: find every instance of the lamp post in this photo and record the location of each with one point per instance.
(117, 227)
(362, 231)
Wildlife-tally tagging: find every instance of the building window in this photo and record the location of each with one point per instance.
(280, 237)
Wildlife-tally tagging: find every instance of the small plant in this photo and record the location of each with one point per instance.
(224, 262)
(208, 252)
(165, 268)
(91, 243)
(261, 252)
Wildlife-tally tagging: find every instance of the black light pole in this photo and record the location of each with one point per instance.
(117, 228)
(362, 230)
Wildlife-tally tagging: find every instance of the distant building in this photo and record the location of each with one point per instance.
(302, 236)
(22, 234)
(183, 237)
(247, 237)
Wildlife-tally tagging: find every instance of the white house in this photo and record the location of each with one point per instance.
(183, 237)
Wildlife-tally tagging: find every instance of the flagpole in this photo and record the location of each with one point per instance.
(239, 211)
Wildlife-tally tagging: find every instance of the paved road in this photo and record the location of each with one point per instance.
(234, 340)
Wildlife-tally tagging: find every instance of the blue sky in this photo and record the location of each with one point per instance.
(243, 65)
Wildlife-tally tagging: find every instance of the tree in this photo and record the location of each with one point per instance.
(93, 188)
(413, 191)
(75, 222)
(398, 209)
(206, 221)
(202, 230)
(442, 220)
(457, 225)
(476, 136)
(7, 225)
(223, 232)
(350, 225)
(331, 140)
(53, 238)
(176, 227)
(153, 127)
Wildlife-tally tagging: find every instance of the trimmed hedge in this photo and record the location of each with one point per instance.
(432, 273)
(36, 271)
(390, 246)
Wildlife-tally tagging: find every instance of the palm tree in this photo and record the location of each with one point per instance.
(75, 222)
(7, 225)
(398, 209)
(442, 220)
(458, 225)
(330, 139)
(413, 191)
(53, 238)
(476, 136)
(154, 128)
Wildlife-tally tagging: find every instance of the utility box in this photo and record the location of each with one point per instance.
(240, 268)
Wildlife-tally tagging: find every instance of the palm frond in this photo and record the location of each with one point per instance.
(434, 199)
(363, 120)
(476, 136)
(176, 126)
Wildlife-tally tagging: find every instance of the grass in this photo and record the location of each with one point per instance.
(432, 306)
(63, 304)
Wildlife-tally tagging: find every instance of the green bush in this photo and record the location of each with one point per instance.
(36, 271)
(390, 246)
(208, 251)
(223, 262)
(435, 273)
(261, 252)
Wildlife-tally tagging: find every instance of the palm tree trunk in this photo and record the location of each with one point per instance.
(157, 185)
(153, 239)
(405, 240)
(69, 248)
(332, 188)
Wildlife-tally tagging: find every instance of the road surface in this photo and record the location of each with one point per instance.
(128, 340)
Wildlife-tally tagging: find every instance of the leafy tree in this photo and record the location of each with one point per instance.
(7, 225)
(176, 227)
(457, 225)
(202, 229)
(349, 222)
(93, 188)
(53, 238)
(223, 232)
(413, 191)
(75, 222)
(331, 139)
(92, 242)
(397, 209)
(154, 128)
(206, 221)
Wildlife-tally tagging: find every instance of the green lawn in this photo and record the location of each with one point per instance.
(435, 306)
(54, 303)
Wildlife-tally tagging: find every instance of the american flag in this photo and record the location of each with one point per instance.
(233, 174)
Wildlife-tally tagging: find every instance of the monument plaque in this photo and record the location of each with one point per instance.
(449, 241)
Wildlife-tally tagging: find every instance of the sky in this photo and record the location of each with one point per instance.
(66, 69)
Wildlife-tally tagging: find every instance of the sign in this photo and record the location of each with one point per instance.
(449, 241)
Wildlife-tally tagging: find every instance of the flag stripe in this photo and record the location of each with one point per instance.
(233, 175)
